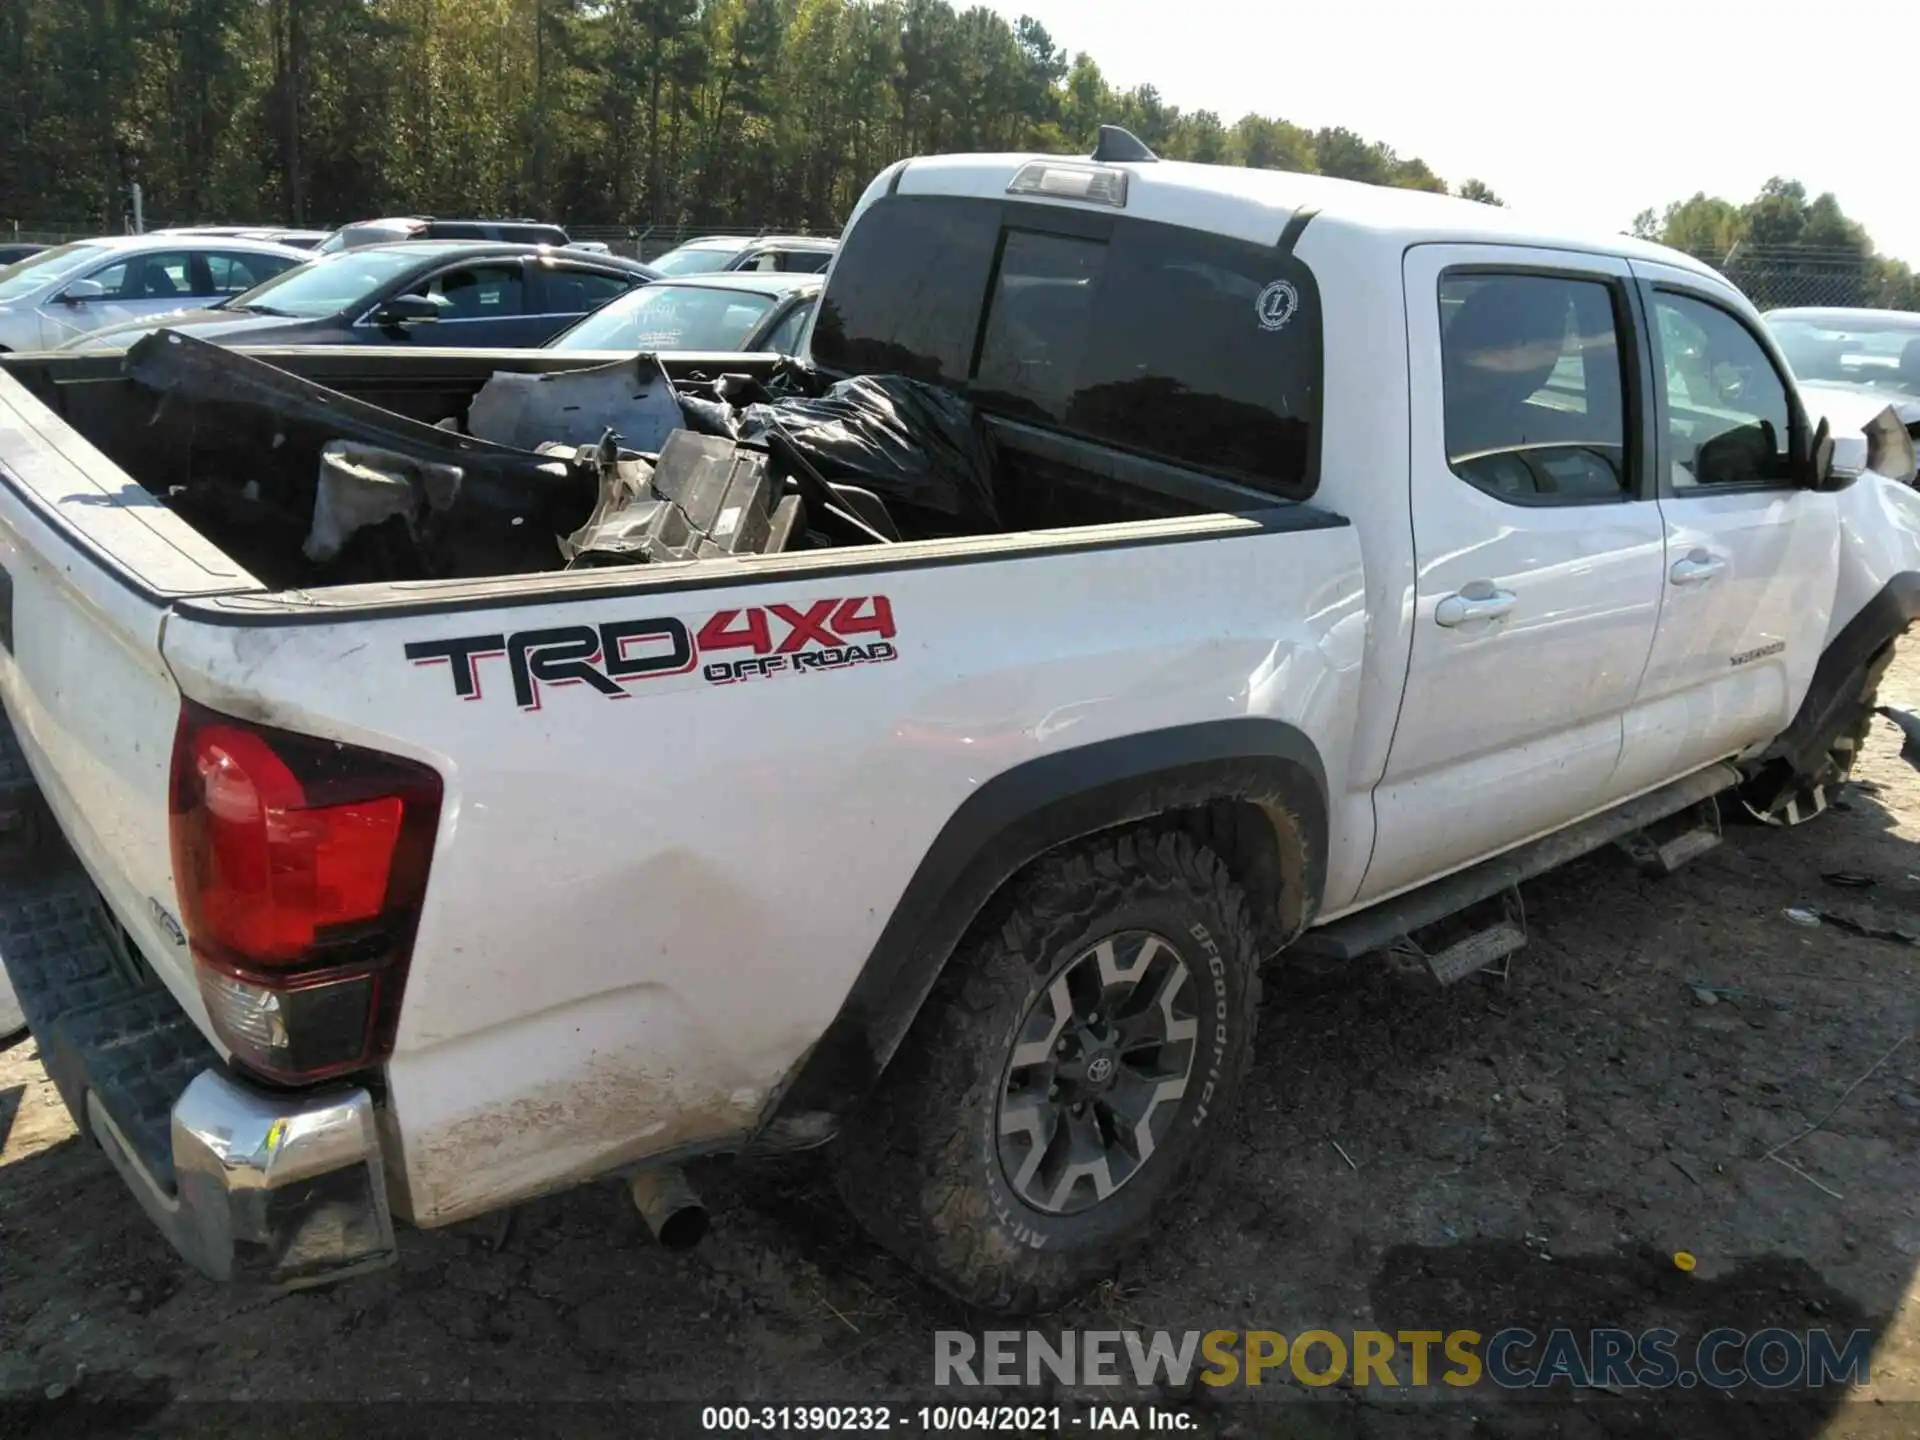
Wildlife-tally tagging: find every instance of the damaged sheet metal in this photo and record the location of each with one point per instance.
(633, 397)
(705, 497)
(1890, 448)
(505, 507)
(360, 487)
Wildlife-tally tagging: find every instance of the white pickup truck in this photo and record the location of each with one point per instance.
(1357, 554)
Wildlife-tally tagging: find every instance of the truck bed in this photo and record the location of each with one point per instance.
(244, 477)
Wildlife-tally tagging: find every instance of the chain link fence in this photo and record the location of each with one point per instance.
(1777, 277)
(650, 242)
(58, 232)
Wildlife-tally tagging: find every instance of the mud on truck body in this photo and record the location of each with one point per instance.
(1152, 569)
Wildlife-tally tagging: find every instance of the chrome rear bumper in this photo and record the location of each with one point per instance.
(278, 1190)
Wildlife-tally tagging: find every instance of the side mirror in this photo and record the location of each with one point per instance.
(81, 291)
(1819, 475)
(407, 310)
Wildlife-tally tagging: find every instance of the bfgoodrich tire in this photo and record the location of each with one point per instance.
(1067, 1075)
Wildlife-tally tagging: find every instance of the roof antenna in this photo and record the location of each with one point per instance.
(1118, 147)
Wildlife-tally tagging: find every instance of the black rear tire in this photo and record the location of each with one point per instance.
(927, 1166)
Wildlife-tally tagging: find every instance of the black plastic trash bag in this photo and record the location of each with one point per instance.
(912, 444)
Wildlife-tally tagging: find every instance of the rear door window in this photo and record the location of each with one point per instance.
(805, 262)
(574, 289)
(231, 274)
(1534, 391)
(477, 292)
(161, 275)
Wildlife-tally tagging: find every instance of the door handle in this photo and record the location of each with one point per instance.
(1475, 602)
(1696, 568)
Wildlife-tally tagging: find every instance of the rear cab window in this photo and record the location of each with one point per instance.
(1172, 343)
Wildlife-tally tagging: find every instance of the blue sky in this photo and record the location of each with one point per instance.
(1591, 112)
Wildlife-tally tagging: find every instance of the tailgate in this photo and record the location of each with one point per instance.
(89, 566)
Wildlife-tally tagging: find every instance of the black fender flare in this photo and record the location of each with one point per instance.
(1882, 619)
(1010, 821)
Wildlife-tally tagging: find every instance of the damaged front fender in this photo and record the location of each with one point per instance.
(1890, 448)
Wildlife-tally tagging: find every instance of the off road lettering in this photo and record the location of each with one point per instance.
(779, 639)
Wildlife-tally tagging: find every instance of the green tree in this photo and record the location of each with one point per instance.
(640, 112)
(1266, 144)
(1341, 153)
(1778, 215)
(1703, 226)
(1781, 246)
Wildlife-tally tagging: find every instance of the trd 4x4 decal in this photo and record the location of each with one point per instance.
(780, 639)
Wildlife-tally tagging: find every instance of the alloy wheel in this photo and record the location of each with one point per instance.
(1096, 1072)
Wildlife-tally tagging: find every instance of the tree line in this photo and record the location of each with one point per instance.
(596, 112)
(635, 112)
(1786, 235)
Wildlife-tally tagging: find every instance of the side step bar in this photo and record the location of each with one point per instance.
(1380, 925)
(1664, 846)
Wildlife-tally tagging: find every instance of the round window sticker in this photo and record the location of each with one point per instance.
(1276, 305)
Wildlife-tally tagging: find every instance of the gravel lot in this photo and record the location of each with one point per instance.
(1523, 1152)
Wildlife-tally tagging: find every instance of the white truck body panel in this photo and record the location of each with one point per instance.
(718, 861)
(94, 563)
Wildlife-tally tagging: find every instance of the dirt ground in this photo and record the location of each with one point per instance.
(1522, 1152)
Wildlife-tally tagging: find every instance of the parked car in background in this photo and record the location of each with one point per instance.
(426, 227)
(742, 311)
(1880, 348)
(441, 293)
(807, 254)
(73, 290)
(298, 239)
(1852, 364)
(14, 254)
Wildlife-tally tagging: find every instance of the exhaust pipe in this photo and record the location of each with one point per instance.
(669, 1206)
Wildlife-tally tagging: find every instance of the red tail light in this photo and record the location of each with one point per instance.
(301, 864)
